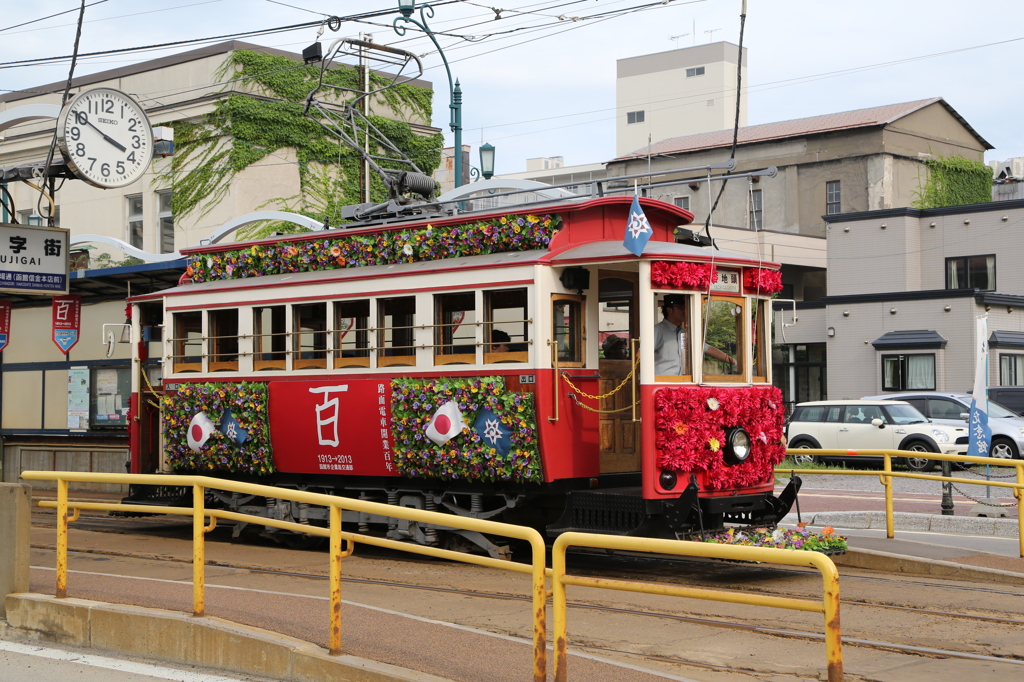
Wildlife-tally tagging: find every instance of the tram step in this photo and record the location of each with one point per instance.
(616, 511)
(156, 496)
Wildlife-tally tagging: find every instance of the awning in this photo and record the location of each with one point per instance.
(909, 340)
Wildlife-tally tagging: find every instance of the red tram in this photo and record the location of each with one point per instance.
(499, 364)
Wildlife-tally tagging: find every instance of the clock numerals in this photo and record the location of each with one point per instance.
(132, 122)
(131, 157)
(105, 170)
(136, 141)
(92, 162)
(76, 134)
(79, 149)
(120, 167)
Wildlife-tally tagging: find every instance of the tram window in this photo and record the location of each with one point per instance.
(758, 314)
(223, 326)
(352, 334)
(309, 336)
(455, 329)
(723, 320)
(396, 333)
(567, 329)
(269, 338)
(506, 316)
(188, 342)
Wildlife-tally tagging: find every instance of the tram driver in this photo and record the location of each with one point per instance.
(670, 350)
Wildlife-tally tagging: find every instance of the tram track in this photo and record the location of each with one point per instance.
(789, 633)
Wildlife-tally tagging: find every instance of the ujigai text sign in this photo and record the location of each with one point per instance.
(5, 323)
(34, 259)
(67, 321)
(332, 426)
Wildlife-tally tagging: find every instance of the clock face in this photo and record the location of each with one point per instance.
(105, 137)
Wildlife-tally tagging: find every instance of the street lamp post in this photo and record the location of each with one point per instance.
(407, 7)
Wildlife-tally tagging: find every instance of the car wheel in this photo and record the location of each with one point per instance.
(804, 459)
(1003, 449)
(919, 464)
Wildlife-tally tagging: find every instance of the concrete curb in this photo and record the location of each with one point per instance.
(179, 638)
(860, 520)
(899, 563)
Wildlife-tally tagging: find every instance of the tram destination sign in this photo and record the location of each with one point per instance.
(34, 259)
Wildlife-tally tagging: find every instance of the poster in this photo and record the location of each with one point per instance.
(78, 398)
(5, 323)
(110, 396)
(67, 321)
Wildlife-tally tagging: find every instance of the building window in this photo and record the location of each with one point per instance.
(833, 203)
(971, 272)
(1011, 370)
(694, 71)
(165, 218)
(908, 372)
(634, 117)
(682, 202)
(135, 220)
(756, 219)
(799, 370)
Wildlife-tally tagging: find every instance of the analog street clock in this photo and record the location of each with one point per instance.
(105, 137)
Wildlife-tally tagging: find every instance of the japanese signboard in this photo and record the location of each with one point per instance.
(332, 426)
(728, 281)
(67, 321)
(5, 323)
(34, 259)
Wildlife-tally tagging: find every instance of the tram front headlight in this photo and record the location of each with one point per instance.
(737, 446)
(668, 479)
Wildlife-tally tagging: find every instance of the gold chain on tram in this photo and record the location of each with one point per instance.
(574, 387)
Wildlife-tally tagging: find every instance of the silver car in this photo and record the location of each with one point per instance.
(952, 409)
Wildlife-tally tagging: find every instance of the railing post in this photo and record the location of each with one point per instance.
(62, 539)
(198, 551)
(335, 580)
(540, 611)
(833, 633)
(1018, 493)
(558, 608)
(947, 489)
(887, 480)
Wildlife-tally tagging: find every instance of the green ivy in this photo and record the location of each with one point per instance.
(246, 128)
(954, 181)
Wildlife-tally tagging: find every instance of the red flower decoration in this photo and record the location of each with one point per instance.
(686, 428)
(762, 281)
(672, 275)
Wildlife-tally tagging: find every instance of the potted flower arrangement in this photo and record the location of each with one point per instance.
(826, 542)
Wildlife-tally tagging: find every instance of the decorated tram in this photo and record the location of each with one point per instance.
(499, 363)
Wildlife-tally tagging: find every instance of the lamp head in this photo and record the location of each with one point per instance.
(406, 7)
(487, 160)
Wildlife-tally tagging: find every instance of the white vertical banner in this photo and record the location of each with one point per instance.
(980, 433)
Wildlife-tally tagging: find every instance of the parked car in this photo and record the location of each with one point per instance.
(953, 409)
(871, 425)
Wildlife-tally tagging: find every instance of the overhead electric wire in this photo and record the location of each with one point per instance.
(120, 16)
(36, 21)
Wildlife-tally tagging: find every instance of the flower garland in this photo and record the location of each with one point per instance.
(674, 275)
(762, 281)
(826, 542)
(690, 425)
(248, 405)
(466, 456)
(507, 233)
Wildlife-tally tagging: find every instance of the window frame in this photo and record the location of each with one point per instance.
(742, 338)
(903, 364)
(135, 223)
(445, 346)
(278, 336)
(223, 345)
(407, 355)
(636, 116)
(360, 355)
(756, 211)
(165, 230)
(182, 340)
(577, 328)
(318, 349)
(1017, 359)
(966, 260)
(489, 323)
(682, 201)
(695, 71)
(833, 200)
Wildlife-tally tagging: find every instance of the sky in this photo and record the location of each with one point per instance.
(547, 88)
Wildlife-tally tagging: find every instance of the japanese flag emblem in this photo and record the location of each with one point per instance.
(446, 423)
(199, 430)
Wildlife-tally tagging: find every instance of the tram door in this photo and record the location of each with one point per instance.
(617, 321)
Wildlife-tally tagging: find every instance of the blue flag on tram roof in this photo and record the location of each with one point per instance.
(638, 229)
(230, 427)
(493, 432)
(980, 434)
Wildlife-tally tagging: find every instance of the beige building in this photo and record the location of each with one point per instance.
(677, 92)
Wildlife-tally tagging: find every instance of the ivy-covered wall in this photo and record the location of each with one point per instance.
(954, 181)
(244, 129)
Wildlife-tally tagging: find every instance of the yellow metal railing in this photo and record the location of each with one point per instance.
(199, 513)
(829, 605)
(888, 474)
